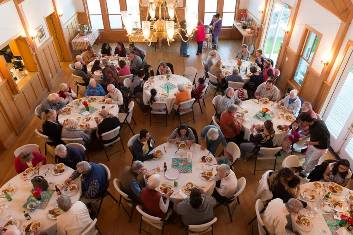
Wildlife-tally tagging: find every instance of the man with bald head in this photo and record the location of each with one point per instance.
(52, 102)
(79, 71)
(106, 122)
(228, 99)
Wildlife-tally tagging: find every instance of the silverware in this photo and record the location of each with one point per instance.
(164, 149)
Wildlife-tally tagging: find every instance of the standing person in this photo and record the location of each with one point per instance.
(216, 27)
(318, 144)
(259, 59)
(243, 53)
(200, 37)
(106, 49)
(120, 50)
(184, 44)
(267, 70)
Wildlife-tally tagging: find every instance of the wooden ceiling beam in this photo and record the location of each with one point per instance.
(340, 8)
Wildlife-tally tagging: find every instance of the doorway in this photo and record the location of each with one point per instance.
(338, 115)
(56, 32)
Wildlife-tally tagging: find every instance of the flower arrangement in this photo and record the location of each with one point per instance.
(265, 110)
(346, 221)
(37, 193)
(86, 104)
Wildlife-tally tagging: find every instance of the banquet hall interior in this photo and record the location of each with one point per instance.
(176, 117)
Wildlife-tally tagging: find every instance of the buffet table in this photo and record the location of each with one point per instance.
(21, 185)
(81, 42)
(188, 162)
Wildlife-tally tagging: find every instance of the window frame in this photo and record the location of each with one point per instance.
(234, 11)
(89, 14)
(114, 14)
(307, 31)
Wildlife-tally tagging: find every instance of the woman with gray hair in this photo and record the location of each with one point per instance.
(94, 89)
(212, 137)
(182, 95)
(75, 217)
(29, 159)
(70, 130)
(291, 102)
(226, 183)
(66, 93)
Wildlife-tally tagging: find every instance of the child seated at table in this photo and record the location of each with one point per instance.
(293, 137)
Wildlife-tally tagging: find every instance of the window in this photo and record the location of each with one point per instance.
(133, 7)
(276, 29)
(210, 10)
(306, 57)
(95, 14)
(114, 14)
(228, 12)
(192, 9)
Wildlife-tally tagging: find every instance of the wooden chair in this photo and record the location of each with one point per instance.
(291, 161)
(153, 221)
(159, 108)
(233, 149)
(259, 206)
(267, 154)
(26, 148)
(78, 80)
(213, 81)
(107, 136)
(190, 73)
(47, 141)
(186, 107)
(130, 143)
(125, 198)
(37, 111)
(125, 118)
(202, 228)
(73, 140)
(215, 101)
(72, 67)
(202, 98)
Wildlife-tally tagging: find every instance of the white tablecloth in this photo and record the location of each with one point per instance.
(77, 111)
(252, 107)
(197, 168)
(157, 82)
(23, 191)
(80, 43)
(244, 69)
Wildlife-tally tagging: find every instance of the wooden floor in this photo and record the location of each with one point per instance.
(113, 220)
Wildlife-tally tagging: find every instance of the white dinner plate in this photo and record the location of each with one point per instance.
(172, 174)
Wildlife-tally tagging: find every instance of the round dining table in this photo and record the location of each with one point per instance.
(250, 109)
(189, 165)
(324, 210)
(166, 86)
(22, 186)
(86, 119)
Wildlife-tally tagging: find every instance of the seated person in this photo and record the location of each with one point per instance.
(96, 66)
(139, 52)
(212, 58)
(123, 69)
(263, 191)
(216, 70)
(120, 50)
(285, 185)
(260, 136)
(277, 213)
(93, 180)
(53, 102)
(255, 80)
(235, 76)
(226, 157)
(75, 217)
(199, 89)
(267, 90)
(137, 81)
(227, 100)
(106, 50)
(212, 137)
(81, 73)
(181, 134)
(115, 94)
(153, 202)
(153, 97)
(268, 70)
(29, 159)
(51, 127)
(69, 155)
(66, 93)
(136, 62)
(182, 95)
(84, 66)
(130, 182)
(231, 124)
(109, 67)
(243, 53)
(197, 209)
(291, 102)
(94, 89)
(259, 58)
(107, 123)
(163, 69)
(293, 136)
(142, 147)
(71, 130)
(226, 183)
(88, 55)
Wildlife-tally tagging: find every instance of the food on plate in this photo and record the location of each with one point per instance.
(32, 227)
(166, 188)
(72, 187)
(334, 188)
(187, 188)
(309, 194)
(181, 145)
(9, 189)
(108, 101)
(206, 159)
(55, 212)
(317, 185)
(289, 117)
(87, 119)
(207, 175)
(11, 222)
(66, 110)
(28, 171)
(282, 127)
(264, 100)
(303, 220)
(59, 168)
(350, 197)
(158, 153)
(84, 125)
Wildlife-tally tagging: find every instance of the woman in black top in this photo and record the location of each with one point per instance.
(96, 66)
(106, 49)
(255, 80)
(120, 50)
(285, 185)
(51, 127)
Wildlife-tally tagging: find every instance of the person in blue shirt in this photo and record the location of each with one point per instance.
(235, 76)
(213, 137)
(69, 155)
(94, 89)
(142, 146)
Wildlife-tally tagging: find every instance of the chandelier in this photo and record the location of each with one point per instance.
(161, 23)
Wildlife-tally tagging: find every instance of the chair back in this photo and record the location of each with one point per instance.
(77, 79)
(126, 76)
(204, 91)
(240, 186)
(186, 106)
(127, 82)
(215, 101)
(130, 111)
(233, 149)
(118, 189)
(109, 135)
(77, 145)
(73, 140)
(191, 73)
(72, 67)
(202, 228)
(91, 229)
(131, 141)
(37, 111)
(259, 206)
(106, 170)
(41, 135)
(26, 148)
(212, 78)
(235, 85)
(159, 108)
(214, 122)
(291, 161)
(151, 220)
(269, 152)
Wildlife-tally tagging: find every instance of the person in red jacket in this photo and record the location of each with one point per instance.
(29, 159)
(200, 37)
(153, 202)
